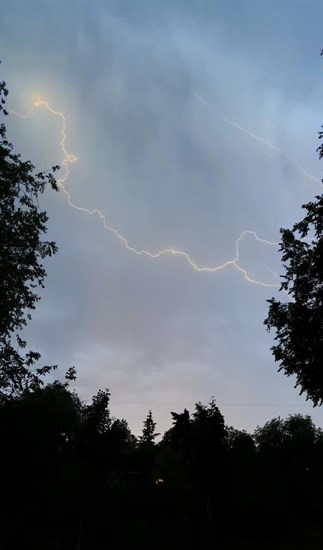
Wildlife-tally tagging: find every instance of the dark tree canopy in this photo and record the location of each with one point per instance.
(299, 322)
(149, 433)
(72, 476)
(22, 251)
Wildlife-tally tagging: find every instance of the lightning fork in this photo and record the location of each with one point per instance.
(70, 158)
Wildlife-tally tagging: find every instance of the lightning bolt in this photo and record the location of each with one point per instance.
(259, 139)
(68, 159)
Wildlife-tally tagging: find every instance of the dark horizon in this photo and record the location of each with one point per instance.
(160, 101)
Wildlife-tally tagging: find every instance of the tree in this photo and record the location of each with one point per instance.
(121, 434)
(179, 436)
(22, 250)
(289, 445)
(96, 416)
(209, 443)
(299, 323)
(149, 430)
(40, 426)
(242, 447)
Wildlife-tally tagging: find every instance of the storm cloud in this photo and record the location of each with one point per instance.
(148, 90)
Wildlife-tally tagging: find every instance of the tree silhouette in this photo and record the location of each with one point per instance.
(299, 323)
(96, 416)
(179, 437)
(296, 433)
(149, 433)
(22, 250)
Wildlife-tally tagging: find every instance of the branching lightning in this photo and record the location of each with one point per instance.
(69, 159)
(258, 138)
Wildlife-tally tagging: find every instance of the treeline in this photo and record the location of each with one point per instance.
(74, 477)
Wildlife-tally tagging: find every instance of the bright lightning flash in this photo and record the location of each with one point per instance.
(69, 159)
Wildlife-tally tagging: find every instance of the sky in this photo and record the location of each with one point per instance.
(192, 122)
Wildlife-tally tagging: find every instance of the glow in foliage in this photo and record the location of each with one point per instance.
(233, 263)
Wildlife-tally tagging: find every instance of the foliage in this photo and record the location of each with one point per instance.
(299, 322)
(122, 434)
(242, 446)
(71, 476)
(149, 433)
(179, 437)
(22, 251)
(97, 414)
(296, 431)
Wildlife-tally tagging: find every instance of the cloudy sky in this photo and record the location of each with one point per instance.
(192, 122)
